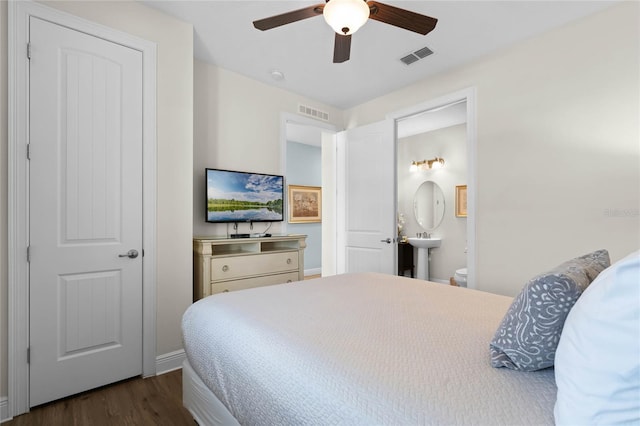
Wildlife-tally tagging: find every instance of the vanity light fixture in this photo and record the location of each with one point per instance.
(435, 163)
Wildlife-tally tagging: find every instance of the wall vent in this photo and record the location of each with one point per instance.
(416, 56)
(313, 112)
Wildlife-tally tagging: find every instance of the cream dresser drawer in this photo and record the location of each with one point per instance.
(235, 285)
(228, 264)
(228, 268)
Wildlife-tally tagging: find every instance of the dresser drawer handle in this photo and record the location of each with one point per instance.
(289, 261)
(225, 268)
(289, 281)
(226, 290)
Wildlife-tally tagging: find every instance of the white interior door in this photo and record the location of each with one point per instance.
(367, 198)
(85, 203)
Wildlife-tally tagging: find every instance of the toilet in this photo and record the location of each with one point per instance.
(460, 277)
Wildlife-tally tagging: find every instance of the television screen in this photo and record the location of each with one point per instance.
(244, 197)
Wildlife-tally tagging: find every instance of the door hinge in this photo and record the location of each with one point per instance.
(29, 355)
(28, 50)
(28, 254)
(28, 151)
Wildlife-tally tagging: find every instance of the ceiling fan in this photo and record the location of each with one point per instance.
(347, 16)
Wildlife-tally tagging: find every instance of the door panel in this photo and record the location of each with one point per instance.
(91, 103)
(369, 201)
(89, 317)
(85, 196)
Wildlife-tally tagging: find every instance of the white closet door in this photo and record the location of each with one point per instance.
(85, 186)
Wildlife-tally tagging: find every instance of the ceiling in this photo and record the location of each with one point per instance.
(303, 51)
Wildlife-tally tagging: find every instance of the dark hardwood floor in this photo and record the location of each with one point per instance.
(152, 401)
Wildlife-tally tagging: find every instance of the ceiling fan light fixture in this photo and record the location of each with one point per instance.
(346, 16)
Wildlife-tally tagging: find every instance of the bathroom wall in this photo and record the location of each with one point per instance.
(304, 167)
(449, 143)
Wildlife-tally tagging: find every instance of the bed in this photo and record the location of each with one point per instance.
(361, 348)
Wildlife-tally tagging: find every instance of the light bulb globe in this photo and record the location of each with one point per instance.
(346, 16)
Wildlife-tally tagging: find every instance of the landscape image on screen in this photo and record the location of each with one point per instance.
(243, 197)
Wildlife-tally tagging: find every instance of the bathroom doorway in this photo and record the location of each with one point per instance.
(437, 140)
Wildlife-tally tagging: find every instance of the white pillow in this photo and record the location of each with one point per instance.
(597, 363)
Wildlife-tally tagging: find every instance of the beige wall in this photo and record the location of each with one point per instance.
(237, 127)
(558, 155)
(174, 41)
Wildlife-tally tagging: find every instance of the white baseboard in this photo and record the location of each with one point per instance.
(313, 271)
(170, 361)
(4, 410)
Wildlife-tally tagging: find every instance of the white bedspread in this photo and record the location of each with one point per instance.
(364, 349)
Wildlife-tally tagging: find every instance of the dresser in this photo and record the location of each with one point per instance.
(229, 264)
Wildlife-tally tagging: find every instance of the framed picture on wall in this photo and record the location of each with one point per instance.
(461, 201)
(305, 204)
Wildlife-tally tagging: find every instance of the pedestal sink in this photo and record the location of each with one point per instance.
(423, 245)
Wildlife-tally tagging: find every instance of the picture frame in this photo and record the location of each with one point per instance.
(305, 204)
(461, 200)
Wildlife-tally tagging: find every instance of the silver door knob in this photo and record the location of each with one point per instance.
(388, 241)
(131, 254)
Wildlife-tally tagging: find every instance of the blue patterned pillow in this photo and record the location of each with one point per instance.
(529, 333)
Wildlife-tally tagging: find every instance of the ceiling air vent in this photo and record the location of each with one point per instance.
(409, 59)
(416, 56)
(313, 112)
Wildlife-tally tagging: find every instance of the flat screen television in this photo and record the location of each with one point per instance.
(234, 196)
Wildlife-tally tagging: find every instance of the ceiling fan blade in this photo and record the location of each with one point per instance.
(402, 18)
(289, 17)
(341, 48)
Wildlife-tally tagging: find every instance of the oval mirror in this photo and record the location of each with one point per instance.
(428, 205)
